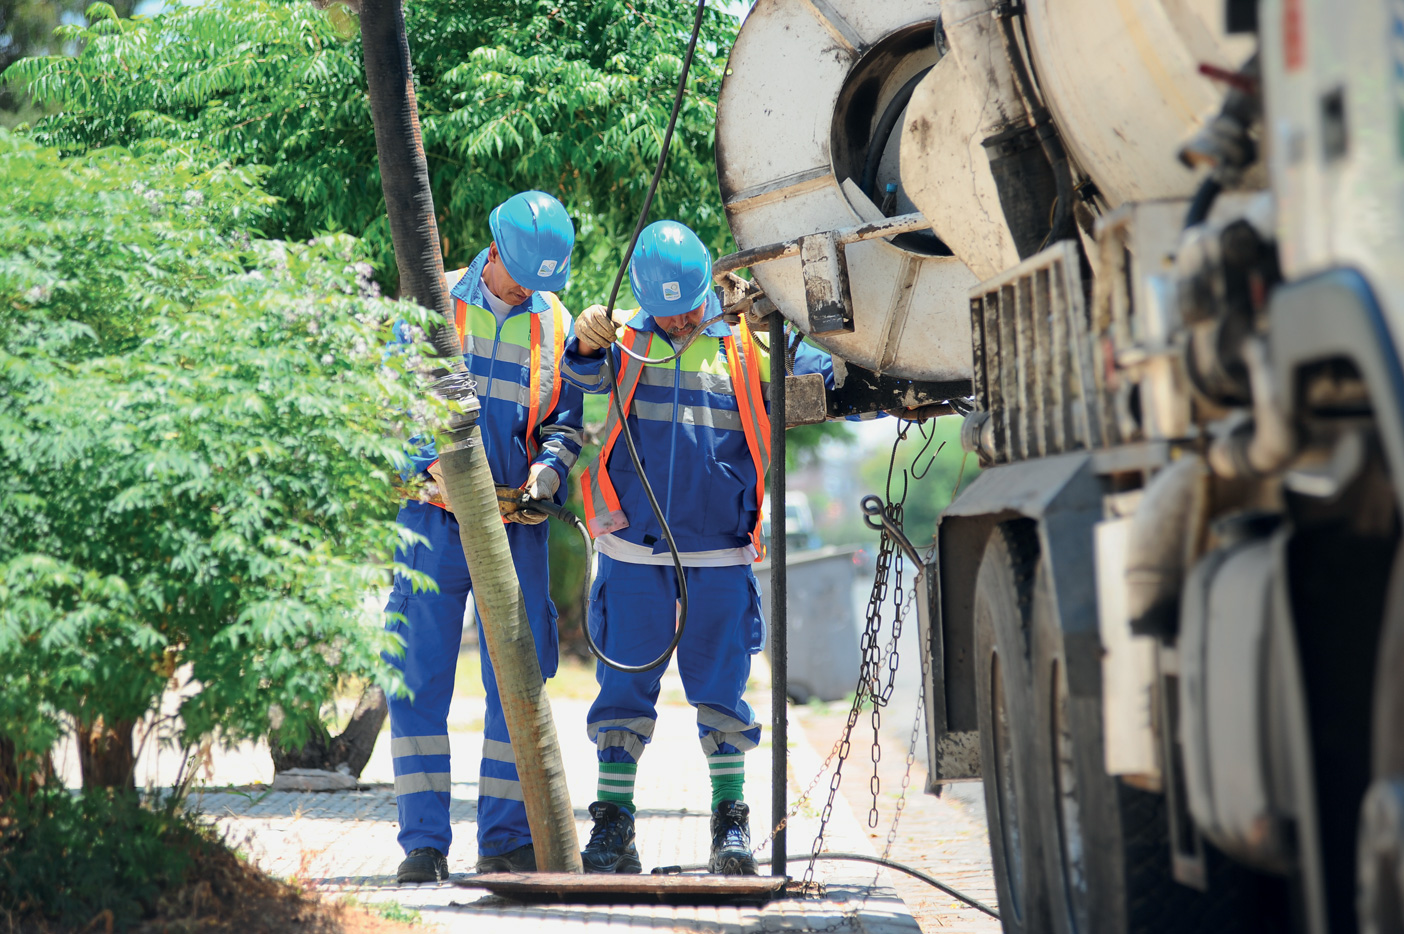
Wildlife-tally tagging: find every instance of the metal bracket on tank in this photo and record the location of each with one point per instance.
(824, 263)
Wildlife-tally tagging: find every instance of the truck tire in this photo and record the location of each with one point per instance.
(1003, 596)
(1107, 844)
(1380, 860)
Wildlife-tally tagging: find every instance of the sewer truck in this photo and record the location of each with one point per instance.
(1153, 252)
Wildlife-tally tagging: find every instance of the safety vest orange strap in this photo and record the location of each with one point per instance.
(755, 420)
(602, 511)
(537, 412)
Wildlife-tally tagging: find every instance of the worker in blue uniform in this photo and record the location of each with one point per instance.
(513, 330)
(702, 431)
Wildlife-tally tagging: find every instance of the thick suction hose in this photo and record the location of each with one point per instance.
(467, 477)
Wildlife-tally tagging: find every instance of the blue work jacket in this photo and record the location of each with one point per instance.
(687, 426)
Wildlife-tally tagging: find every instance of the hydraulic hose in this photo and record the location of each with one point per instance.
(877, 145)
(1203, 202)
(885, 125)
(858, 858)
(697, 332)
(614, 378)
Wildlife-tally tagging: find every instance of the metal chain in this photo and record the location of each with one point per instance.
(872, 686)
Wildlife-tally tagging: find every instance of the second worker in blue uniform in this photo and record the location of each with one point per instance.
(702, 429)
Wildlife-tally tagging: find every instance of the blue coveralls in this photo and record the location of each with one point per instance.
(433, 622)
(687, 427)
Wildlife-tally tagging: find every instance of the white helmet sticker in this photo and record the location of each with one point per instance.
(548, 266)
(671, 291)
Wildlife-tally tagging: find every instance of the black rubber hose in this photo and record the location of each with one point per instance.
(925, 240)
(1062, 225)
(1203, 202)
(877, 143)
(857, 858)
(614, 378)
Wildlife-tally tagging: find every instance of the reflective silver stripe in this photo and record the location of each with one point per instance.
(705, 416)
(419, 746)
(565, 455)
(640, 725)
(498, 751)
(415, 782)
(593, 380)
(716, 720)
(687, 379)
(549, 364)
(554, 438)
(507, 352)
(621, 739)
(504, 390)
(712, 742)
(500, 788)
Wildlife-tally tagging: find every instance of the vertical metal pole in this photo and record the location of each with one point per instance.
(779, 664)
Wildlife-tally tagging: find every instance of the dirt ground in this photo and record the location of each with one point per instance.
(225, 895)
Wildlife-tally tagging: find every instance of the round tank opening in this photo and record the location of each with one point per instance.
(866, 137)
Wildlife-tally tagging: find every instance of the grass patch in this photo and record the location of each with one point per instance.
(390, 911)
(574, 678)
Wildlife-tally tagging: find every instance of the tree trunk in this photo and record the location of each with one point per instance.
(21, 775)
(404, 175)
(352, 748)
(107, 754)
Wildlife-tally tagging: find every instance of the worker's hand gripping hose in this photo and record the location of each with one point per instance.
(614, 380)
(467, 477)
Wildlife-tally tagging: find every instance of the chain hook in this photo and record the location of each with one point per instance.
(876, 517)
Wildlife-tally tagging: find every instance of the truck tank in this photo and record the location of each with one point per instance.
(1157, 245)
(814, 124)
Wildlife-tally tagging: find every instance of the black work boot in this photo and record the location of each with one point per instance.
(611, 846)
(731, 840)
(522, 859)
(424, 864)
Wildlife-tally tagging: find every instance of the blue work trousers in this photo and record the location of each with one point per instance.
(432, 628)
(633, 613)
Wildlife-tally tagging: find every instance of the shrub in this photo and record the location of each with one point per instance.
(197, 434)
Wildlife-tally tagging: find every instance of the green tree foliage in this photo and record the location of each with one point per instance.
(196, 439)
(569, 96)
(27, 28)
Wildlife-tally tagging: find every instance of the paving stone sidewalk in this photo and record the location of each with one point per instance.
(344, 843)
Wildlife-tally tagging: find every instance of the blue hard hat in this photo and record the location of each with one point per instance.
(534, 237)
(671, 270)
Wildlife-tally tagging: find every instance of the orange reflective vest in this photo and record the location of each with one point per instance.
(545, 363)
(544, 367)
(602, 510)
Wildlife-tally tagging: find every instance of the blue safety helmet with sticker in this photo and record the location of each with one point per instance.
(671, 270)
(534, 237)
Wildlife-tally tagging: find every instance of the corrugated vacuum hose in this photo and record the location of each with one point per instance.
(467, 477)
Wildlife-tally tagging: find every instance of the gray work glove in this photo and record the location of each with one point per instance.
(542, 483)
(595, 330)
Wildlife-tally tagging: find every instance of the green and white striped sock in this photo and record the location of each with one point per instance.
(616, 783)
(728, 772)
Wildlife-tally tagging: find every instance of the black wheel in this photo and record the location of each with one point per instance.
(1106, 843)
(1380, 854)
(1108, 847)
(1003, 597)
